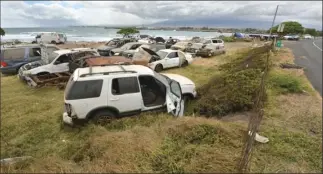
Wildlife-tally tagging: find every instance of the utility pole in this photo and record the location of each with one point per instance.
(272, 25)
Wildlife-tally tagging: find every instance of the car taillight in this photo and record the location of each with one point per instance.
(4, 64)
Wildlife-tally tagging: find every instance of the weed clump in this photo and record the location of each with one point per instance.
(285, 83)
(236, 87)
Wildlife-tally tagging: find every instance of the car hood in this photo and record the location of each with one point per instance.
(105, 48)
(117, 50)
(180, 79)
(32, 65)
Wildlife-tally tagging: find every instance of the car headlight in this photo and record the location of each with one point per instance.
(26, 72)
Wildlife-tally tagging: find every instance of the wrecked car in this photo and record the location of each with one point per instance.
(153, 47)
(194, 48)
(15, 56)
(210, 50)
(97, 61)
(159, 40)
(171, 42)
(102, 94)
(164, 59)
(181, 46)
(56, 62)
(125, 47)
(114, 43)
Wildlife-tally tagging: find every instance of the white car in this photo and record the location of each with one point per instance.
(307, 36)
(58, 61)
(102, 93)
(50, 37)
(214, 42)
(169, 58)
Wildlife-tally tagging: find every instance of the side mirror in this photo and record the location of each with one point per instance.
(38, 52)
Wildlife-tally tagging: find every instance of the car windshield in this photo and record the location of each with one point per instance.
(162, 54)
(162, 78)
(126, 46)
(111, 43)
(61, 35)
(52, 56)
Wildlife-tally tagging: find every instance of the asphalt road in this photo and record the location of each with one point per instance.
(308, 54)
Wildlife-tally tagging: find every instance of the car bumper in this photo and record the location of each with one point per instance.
(9, 70)
(66, 119)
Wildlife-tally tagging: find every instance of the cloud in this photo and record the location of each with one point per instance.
(63, 13)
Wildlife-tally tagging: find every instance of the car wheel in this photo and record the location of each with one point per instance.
(53, 42)
(159, 68)
(185, 63)
(33, 42)
(103, 117)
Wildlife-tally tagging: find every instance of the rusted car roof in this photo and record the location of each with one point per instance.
(98, 61)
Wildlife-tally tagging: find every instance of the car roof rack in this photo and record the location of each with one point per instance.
(107, 73)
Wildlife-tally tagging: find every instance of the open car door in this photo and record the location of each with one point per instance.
(175, 104)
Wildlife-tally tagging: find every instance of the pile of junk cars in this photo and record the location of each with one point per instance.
(100, 83)
(46, 64)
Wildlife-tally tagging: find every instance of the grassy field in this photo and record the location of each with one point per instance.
(157, 142)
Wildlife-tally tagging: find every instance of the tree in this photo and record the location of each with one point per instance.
(310, 31)
(127, 31)
(291, 27)
(2, 33)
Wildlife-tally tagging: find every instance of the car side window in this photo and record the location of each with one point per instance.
(208, 42)
(62, 59)
(125, 85)
(172, 55)
(176, 88)
(34, 52)
(84, 89)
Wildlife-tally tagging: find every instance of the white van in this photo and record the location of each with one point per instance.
(50, 37)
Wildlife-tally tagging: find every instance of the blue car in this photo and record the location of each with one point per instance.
(12, 58)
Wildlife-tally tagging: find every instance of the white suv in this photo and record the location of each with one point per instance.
(102, 93)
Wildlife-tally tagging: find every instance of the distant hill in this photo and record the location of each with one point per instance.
(212, 22)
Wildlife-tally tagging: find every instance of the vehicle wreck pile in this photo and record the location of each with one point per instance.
(128, 69)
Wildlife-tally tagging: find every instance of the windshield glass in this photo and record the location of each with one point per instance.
(52, 56)
(161, 54)
(111, 43)
(161, 77)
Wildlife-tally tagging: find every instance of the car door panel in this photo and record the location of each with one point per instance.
(122, 97)
(175, 104)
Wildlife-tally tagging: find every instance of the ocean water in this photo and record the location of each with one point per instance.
(92, 34)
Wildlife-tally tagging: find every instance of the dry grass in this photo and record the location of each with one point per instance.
(31, 125)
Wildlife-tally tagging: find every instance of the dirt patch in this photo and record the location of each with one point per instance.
(206, 62)
(70, 45)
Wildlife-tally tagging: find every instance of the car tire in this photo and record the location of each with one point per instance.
(33, 42)
(103, 117)
(53, 42)
(185, 63)
(159, 68)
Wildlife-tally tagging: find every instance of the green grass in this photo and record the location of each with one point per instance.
(156, 142)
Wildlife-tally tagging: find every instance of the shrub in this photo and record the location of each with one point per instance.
(285, 83)
(229, 39)
(236, 87)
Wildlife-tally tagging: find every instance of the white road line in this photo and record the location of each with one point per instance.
(317, 46)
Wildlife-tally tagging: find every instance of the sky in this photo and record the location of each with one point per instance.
(68, 13)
